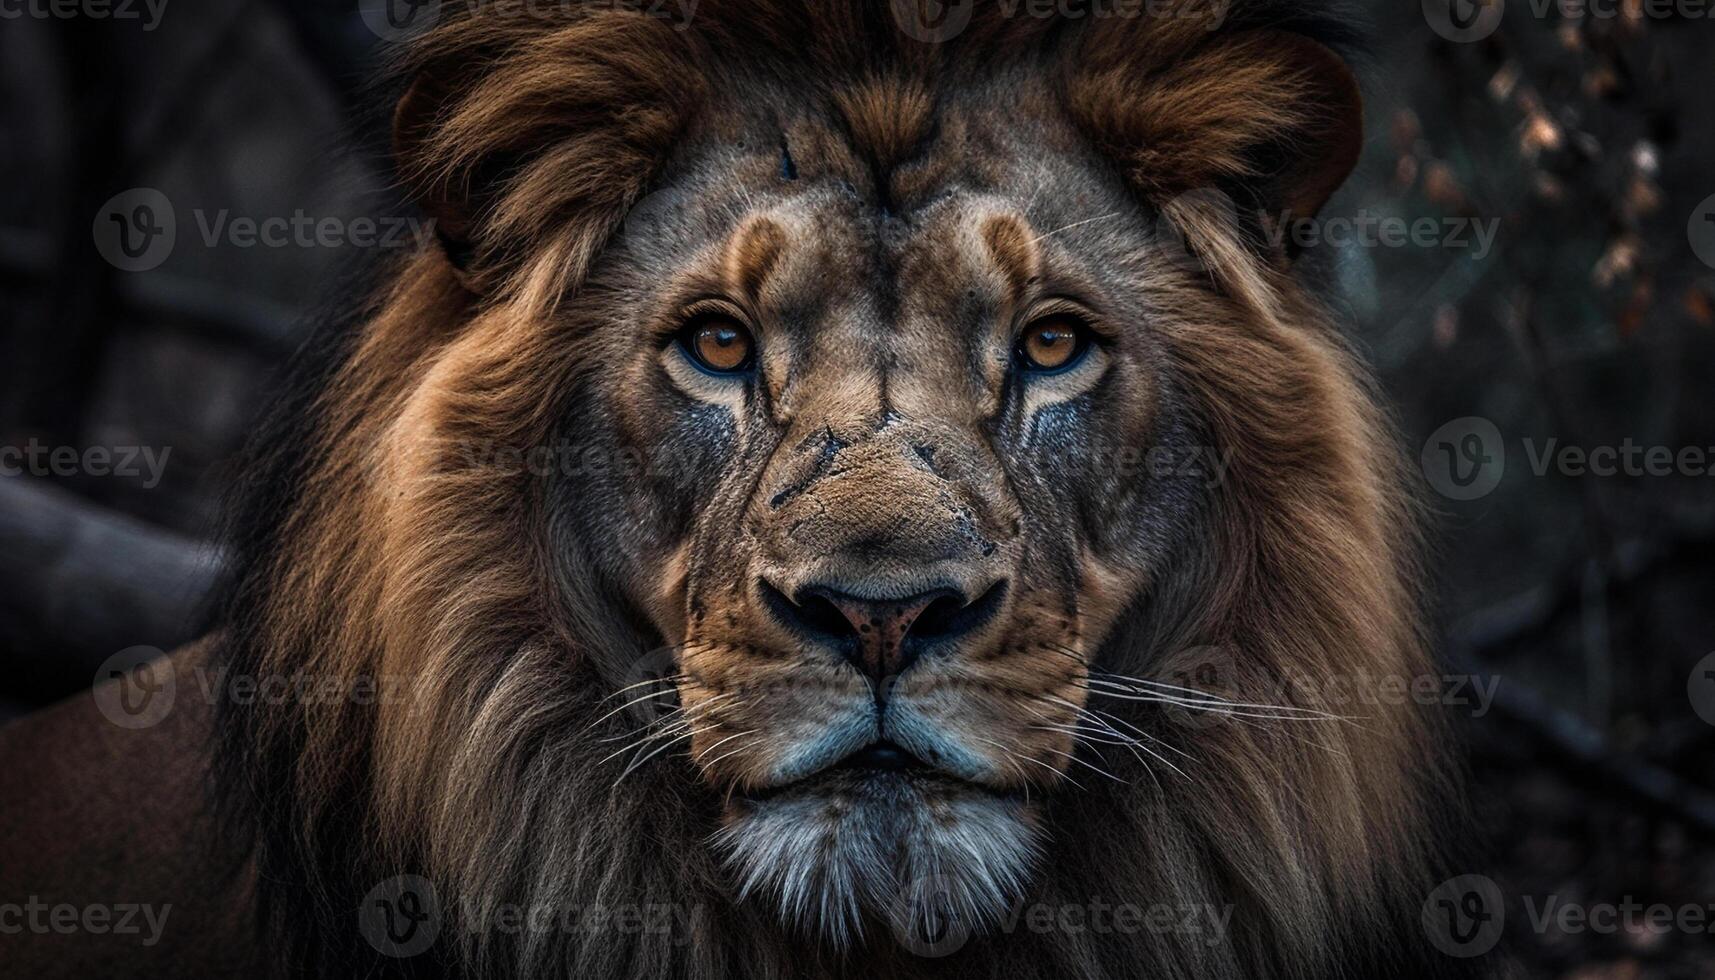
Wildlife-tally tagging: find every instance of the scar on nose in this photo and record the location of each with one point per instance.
(1014, 250)
(831, 446)
(754, 253)
(926, 454)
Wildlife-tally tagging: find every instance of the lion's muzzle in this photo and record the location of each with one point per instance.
(875, 547)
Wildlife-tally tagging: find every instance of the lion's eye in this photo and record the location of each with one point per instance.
(718, 345)
(1053, 344)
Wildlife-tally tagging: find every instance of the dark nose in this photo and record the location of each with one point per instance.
(884, 637)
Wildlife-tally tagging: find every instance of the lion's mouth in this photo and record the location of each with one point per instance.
(881, 761)
(881, 756)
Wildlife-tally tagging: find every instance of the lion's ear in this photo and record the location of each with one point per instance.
(526, 139)
(449, 208)
(1328, 139)
(412, 120)
(1275, 114)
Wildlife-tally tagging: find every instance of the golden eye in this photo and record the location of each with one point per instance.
(719, 344)
(1053, 344)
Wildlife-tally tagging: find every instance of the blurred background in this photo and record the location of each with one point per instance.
(180, 190)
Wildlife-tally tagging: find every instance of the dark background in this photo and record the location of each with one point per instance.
(1589, 599)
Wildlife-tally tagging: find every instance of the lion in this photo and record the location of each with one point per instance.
(852, 491)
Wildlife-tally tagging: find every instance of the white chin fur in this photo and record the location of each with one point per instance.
(849, 848)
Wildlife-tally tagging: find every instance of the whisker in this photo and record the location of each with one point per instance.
(1075, 224)
(1185, 696)
(1073, 757)
(631, 687)
(639, 700)
(636, 762)
(1204, 699)
(694, 713)
(710, 765)
(1136, 747)
(1025, 758)
(669, 736)
(1116, 719)
(698, 757)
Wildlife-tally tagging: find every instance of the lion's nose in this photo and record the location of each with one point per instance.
(884, 637)
(882, 629)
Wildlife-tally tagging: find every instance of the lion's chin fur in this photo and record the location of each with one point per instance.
(847, 851)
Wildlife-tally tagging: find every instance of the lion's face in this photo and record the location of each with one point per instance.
(888, 423)
(892, 495)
